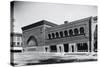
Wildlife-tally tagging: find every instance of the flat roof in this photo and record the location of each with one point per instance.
(16, 34)
(42, 22)
(72, 22)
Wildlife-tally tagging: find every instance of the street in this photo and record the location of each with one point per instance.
(33, 58)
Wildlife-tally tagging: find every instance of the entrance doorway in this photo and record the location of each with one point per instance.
(66, 47)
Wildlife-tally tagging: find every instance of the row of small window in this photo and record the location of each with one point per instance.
(67, 33)
(18, 38)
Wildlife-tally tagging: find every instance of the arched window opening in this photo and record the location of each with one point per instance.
(66, 33)
(76, 31)
(53, 35)
(32, 41)
(61, 33)
(70, 32)
(49, 35)
(57, 35)
(82, 30)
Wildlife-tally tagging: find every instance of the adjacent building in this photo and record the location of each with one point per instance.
(16, 42)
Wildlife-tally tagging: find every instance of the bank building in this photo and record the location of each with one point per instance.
(78, 36)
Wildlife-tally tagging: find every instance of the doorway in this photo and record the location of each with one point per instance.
(72, 47)
(66, 47)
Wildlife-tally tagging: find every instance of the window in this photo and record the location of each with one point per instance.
(72, 48)
(53, 48)
(70, 32)
(13, 44)
(60, 48)
(76, 31)
(53, 35)
(82, 47)
(95, 46)
(66, 33)
(79, 48)
(85, 47)
(66, 47)
(46, 49)
(61, 33)
(49, 35)
(57, 35)
(82, 30)
(14, 38)
(18, 43)
(18, 38)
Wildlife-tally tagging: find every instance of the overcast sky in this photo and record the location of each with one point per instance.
(26, 13)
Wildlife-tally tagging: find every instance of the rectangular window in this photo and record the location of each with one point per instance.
(18, 43)
(18, 38)
(66, 47)
(49, 36)
(82, 47)
(53, 48)
(14, 38)
(85, 47)
(13, 44)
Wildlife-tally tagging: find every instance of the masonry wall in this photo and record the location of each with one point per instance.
(37, 32)
(72, 25)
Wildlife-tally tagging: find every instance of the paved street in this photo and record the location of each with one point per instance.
(31, 58)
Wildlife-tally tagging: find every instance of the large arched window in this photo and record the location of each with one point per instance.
(70, 32)
(81, 30)
(61, 33)
(76, 31)
(32, 41)
(66, 33)
(53, 35)
(49, 35)
(57, 35)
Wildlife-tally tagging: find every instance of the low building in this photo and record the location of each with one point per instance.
(16, 42)
(75, 36)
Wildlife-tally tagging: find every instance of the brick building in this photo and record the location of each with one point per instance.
(75, 36)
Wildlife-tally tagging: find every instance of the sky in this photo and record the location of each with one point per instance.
(26, 13)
